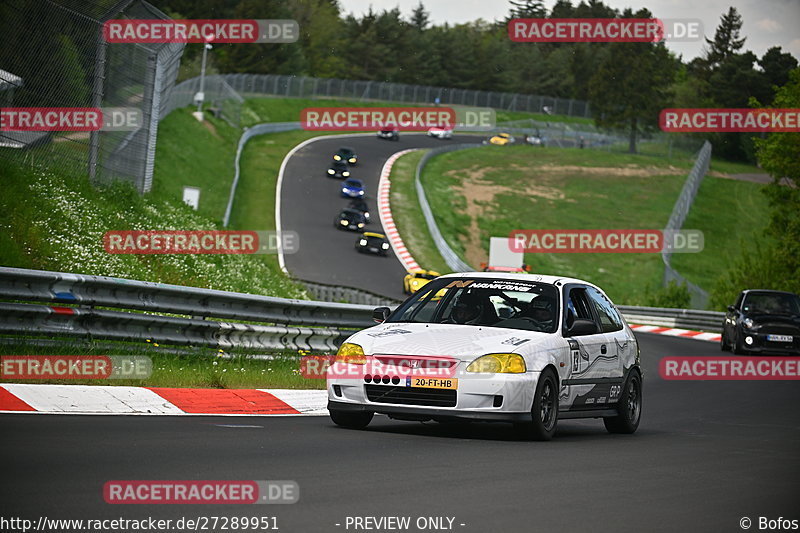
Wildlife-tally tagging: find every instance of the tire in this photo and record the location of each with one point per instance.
(544, 413)
(630, 407)
(738, 347)
(351, 419)
(723, 343)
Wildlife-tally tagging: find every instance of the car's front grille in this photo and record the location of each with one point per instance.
(411, 395)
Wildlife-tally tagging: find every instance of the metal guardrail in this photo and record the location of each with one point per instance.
(127, 310)
(249, 133)
(451, 257)
(674, 318)
(121, 309)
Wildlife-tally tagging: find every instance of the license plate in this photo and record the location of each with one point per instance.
(432, 383)
(780, 338)
(373, 249)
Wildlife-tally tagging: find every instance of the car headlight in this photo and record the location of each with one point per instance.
(748, 323)
(360, 224)
(351, 353)
(498, 363)
(362, 242)
(385, 246)
(337, 157)
(343, 222)
(361, 193)
(366, 215)
(344, 189)
(345, 173)
(331, 171)
(352, 160)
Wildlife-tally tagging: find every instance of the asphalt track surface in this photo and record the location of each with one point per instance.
(310, 201)
(706, 455)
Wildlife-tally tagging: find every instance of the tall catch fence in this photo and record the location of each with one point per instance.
(699, 297)
(53, 54)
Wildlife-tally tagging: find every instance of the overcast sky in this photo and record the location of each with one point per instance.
(767, 23)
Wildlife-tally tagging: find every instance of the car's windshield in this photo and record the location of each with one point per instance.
(771, 303)
(352, 183)
(374, 241)
(495, 302)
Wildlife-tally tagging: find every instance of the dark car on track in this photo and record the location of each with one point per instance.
(373, 243)
(347, 155)
(763, 321)
(391, 135)
(350, 219)
(339, 169)
(360, 205)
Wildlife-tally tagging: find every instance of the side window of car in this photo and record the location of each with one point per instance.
(738, 304)
(578, 306)
(609, 318)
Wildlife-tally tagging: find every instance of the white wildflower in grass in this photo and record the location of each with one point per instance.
(74, 218)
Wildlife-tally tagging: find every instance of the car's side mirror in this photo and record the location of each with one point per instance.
(582, 326)
(732, 309)
(380, 314)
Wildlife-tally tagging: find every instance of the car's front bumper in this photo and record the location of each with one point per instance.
(478, 396)
(760, 344)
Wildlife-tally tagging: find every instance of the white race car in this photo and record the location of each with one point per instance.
(517, 348)
(441, 132)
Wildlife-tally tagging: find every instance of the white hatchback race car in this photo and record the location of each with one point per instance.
(517, 348)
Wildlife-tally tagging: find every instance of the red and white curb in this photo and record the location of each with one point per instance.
(100, 399)
(677, 332)
(385, 213)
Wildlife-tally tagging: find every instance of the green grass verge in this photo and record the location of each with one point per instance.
(486, 192)
(190, 153)
(730, 213)
(408, 217)
(191, 367)
(56, 221)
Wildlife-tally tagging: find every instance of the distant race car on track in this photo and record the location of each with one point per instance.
(442, 132)
(373, 243)
(350, 219)
(360, 205)
(501, 139)
(348, 155)
(494, 347)
(763, 322)
(352, 188)
(391, 135)
(339, 169)
(416, 279)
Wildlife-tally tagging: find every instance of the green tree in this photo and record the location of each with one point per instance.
(527, 9)
(774, 262)
(776, 66)
(727, 38)
(632, 85)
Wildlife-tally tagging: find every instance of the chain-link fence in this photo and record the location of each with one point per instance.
(254, 85)
(678, 217)
(53, 54)
(219, 98)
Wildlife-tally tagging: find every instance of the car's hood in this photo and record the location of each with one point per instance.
(781, 321)
(453, 340)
